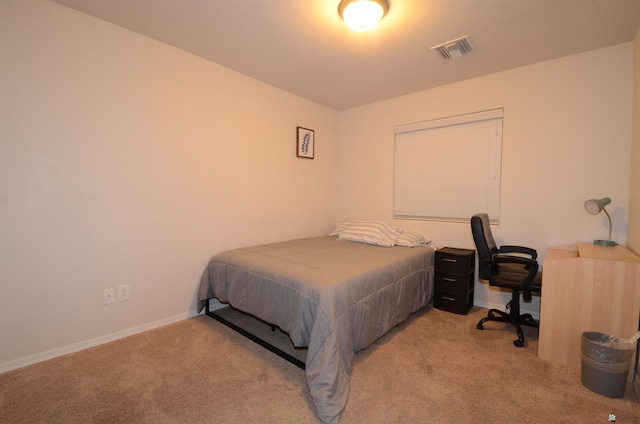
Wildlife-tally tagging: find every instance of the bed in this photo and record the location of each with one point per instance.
(329, 294)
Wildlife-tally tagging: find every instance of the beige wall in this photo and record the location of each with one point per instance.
(566, 138)
(633, 237)
(126, 161)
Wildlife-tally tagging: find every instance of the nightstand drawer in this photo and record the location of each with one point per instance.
(458, 304)
(454, 284)
(450, 260)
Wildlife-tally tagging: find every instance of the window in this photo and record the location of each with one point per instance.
(449, 169)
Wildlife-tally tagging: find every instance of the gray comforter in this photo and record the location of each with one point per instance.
(332, 296)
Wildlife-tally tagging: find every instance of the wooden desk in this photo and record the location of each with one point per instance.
(586, 287)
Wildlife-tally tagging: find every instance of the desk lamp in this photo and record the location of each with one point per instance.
(594, 207)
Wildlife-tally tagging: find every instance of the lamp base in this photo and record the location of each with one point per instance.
(605, 243)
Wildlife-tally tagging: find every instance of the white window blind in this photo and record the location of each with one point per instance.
(449, 168)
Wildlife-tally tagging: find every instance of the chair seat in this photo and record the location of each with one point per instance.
(511, 275)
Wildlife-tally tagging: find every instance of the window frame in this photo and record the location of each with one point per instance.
(431, 149)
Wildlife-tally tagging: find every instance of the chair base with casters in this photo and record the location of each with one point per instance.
(513, 317)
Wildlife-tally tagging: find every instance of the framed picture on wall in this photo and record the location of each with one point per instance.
(305, 143)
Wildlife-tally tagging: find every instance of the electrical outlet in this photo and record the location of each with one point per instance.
(109, 296)
(123, 292)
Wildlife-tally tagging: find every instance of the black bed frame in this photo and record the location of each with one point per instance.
(281, 353)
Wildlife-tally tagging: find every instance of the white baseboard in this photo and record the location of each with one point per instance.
(76, 347)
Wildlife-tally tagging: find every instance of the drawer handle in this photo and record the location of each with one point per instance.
(449, 279)
(450, 260)
(448, 298)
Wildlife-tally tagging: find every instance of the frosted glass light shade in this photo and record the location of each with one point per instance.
(362, 15)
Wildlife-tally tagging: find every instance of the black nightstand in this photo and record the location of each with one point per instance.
(454, 279)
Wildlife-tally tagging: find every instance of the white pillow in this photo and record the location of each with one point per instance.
(344, 225)
(370, 232)
(412, 239)
(352, 221)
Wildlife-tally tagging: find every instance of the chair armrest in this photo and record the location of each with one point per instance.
(518, 249)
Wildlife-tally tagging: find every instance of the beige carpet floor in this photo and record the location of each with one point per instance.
(434, 368)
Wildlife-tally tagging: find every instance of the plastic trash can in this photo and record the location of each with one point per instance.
(605, 363)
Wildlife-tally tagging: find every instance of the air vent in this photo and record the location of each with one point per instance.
(454, 48)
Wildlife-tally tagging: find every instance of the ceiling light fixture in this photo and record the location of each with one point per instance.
(362, 15)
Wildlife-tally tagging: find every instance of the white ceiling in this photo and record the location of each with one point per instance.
(302, 46)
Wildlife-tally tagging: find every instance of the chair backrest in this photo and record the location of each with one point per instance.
(485, 244)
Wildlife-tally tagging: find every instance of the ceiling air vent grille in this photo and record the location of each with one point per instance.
(454, 48)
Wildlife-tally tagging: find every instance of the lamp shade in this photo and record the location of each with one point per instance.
(362, 15)
(595, 206)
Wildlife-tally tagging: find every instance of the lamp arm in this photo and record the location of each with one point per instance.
(608, 216)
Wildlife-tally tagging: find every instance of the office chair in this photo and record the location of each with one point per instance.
(510, 267)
